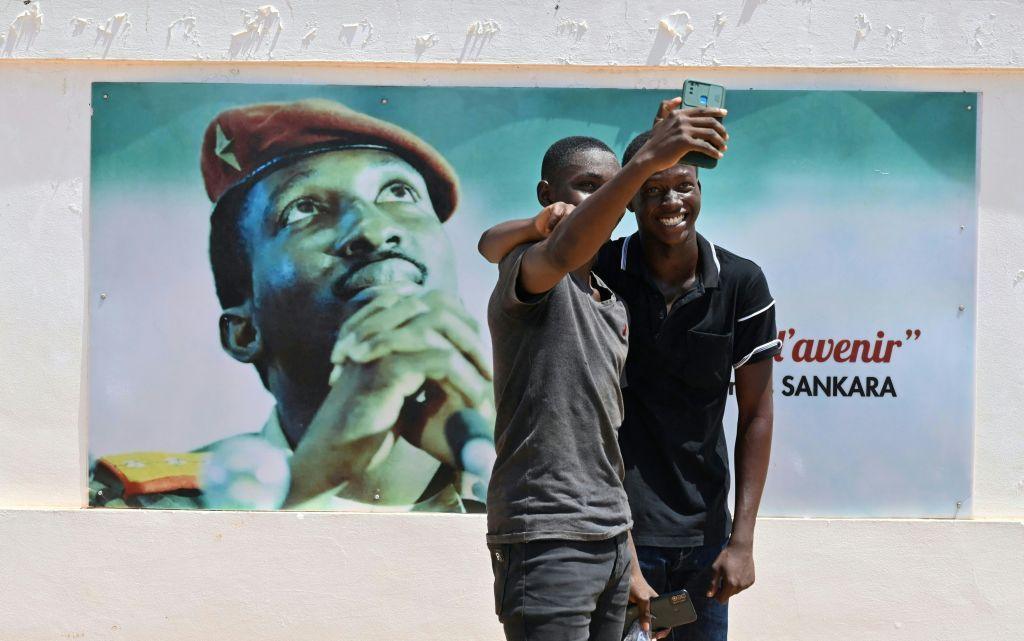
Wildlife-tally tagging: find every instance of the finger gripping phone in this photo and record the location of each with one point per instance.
(702, 94)
(667, 611)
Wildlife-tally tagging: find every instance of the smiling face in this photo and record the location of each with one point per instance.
(331, 231)
(667, 206)
(585, 171)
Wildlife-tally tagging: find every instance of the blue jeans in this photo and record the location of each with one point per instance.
(669, 569)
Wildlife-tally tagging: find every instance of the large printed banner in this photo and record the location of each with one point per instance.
(211, 337)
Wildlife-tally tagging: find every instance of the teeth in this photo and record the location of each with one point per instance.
(671, 222)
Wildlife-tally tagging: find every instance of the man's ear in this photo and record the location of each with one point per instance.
(544, 193)
(239, 335)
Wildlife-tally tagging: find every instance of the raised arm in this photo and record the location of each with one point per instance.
(498, 241)
(575, 241)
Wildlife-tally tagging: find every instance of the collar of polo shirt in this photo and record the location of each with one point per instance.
(631, 259)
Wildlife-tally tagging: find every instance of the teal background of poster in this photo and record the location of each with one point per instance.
(860, 207)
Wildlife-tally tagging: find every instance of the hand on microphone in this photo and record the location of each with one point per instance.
(471, 437)
(462, 438)
(403, 365)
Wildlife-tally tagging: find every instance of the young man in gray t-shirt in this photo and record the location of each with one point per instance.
(558, 518)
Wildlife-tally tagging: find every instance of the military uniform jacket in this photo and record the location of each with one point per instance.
(166, 480)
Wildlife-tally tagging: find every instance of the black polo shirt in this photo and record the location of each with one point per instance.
(677, 378)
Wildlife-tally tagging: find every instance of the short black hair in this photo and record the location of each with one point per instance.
(229, 255)
(635, 145)
(638, 142)
(558, 154)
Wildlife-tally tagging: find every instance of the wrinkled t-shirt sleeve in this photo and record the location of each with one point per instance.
(514, 302)
(755, 334)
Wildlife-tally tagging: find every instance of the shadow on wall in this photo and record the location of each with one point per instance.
(671, 34)
(749, 7)
(263, 25)
(479, 34)
(22, 31)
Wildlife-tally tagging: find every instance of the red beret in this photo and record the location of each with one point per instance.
(243, 143)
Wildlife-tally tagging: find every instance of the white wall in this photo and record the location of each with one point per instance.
(93, 574)
(742, 33)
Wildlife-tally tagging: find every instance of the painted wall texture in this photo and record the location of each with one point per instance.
(735, 33)
(70, 573)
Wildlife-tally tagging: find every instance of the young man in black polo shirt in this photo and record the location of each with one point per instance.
(697, 314)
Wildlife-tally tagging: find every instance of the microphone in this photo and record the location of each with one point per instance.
(471, 439)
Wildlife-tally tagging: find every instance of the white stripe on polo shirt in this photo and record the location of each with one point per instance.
(714, 257)
(760, 311)
(757, 350)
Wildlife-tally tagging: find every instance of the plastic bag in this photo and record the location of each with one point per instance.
(636, 633)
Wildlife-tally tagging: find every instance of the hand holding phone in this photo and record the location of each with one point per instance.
(679, 133)
(667, 611)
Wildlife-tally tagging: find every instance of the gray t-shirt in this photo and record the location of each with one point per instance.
(558, 359)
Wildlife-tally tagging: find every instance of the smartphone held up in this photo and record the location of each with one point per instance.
(702, 94)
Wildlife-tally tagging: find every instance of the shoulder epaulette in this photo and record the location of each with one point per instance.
(155, 472)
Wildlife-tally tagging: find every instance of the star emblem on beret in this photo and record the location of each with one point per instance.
(225, 149)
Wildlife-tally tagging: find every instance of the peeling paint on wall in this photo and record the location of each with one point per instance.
(977, 43)
(678, 25)
(982, 34)
(187, 25)
(22, 31)
(78, 25)
(478, 34)
(705, 53)
(309, 37)
(118, 25)
(720, 22)
(893, 36)
(260, 26)
(574, 28)
(862, 27)
(350, 30)
(424, 42)
(671, 34)
(486, 27)
(778, 34)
